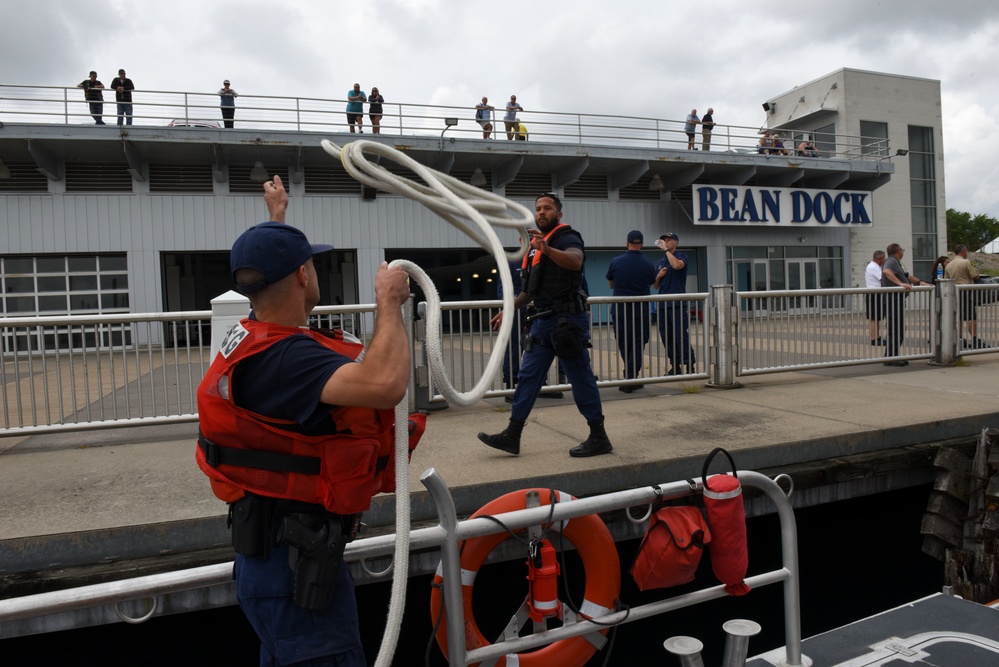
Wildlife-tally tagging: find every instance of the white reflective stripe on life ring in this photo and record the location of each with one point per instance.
(593, 610)
(467, 576)
(512, 660)
(559, 526)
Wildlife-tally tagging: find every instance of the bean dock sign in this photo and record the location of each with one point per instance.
(781, 207)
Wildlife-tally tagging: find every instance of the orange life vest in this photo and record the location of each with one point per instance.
(242, 451)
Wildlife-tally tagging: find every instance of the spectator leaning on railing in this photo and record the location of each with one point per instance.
(484, 116)
(92, 93)
(893, 274)
(963, 272)
(123, 88)
(875, 302)
(510, 119)
(227, 102)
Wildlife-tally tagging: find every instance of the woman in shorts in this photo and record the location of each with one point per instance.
(375, 101)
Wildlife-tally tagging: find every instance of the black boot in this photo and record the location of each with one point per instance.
(508, 440)
(598, 442)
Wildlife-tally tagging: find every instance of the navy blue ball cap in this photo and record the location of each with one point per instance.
(274, 249)
(635, 236)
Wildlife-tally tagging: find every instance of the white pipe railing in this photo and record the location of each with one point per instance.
(447, 536)
(68, 373)
(151, 108)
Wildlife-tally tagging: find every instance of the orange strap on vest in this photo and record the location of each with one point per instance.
(536, 256)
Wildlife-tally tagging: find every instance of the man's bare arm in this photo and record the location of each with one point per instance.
(276, 199)
(379, 380)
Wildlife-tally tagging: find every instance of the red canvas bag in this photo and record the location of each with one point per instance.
(671, 549)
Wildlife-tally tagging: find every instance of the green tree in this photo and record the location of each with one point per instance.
(973, 232)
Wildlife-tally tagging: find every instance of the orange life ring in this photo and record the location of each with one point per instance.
(602, 568)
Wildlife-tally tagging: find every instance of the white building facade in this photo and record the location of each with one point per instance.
(99, 219)
(887, 112)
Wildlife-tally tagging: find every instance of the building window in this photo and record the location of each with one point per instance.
(923, 199)
(873, 138)
(825, 139)
(758, 268)
(64, 285)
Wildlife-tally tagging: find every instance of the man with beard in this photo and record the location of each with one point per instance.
(551, 276)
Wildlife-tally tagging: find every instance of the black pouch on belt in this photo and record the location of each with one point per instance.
(251, 520)
(316, 543)
(567, 340)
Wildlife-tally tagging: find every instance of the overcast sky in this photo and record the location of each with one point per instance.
(644, 58)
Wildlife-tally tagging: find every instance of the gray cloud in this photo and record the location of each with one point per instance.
(627, 58)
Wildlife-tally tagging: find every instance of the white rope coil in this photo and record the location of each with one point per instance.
(475, 212)
(468, 208)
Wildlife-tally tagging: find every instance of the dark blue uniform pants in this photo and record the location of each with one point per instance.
(631, 328)
(292, 635)
(536, 362)
(674, 330)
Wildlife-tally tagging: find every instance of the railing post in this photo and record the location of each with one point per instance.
(227, 310)
(722, 311)
(450, 567)
(420, 372)
(947, 322)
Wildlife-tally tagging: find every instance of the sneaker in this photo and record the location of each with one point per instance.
(550, 394)
(896, 363)
(502, 441)
(627, 388)
(595, 445)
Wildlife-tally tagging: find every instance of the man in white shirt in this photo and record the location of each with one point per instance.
(875, 302)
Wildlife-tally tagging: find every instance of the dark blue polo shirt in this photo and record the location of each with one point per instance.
(632, 274)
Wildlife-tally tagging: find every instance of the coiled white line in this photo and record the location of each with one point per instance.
(475, 212)
(468, 208)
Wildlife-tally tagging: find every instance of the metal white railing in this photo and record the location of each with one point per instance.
(795, 329)
(104, 371)
(447, 536)
(151, 108)
(64, 373)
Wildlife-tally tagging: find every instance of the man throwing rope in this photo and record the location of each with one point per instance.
(288, 418)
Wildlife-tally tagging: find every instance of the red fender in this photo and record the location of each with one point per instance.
(596, 549)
